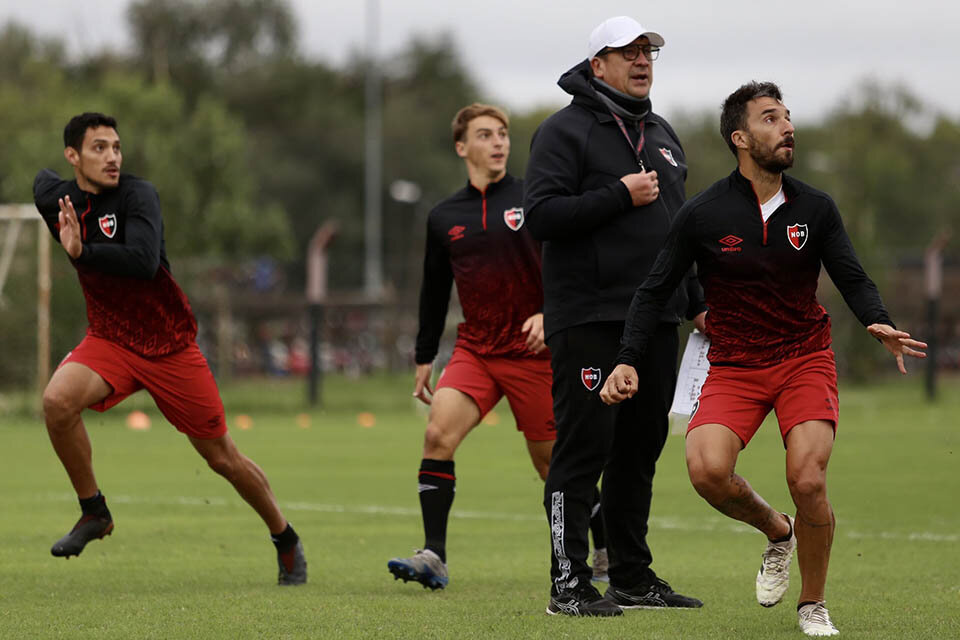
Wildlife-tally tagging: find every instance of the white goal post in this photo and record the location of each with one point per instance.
(15, 216)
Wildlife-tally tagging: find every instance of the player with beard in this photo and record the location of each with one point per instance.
(758, 238)
(141, 335)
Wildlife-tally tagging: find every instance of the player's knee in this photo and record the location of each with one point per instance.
(807, 485)
(710, 481)
(437, 442)
(58, 408)
(221, 463)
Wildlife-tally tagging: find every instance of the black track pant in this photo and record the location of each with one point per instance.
(622, 442)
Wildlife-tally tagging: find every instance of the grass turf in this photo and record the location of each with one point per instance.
(189, 560)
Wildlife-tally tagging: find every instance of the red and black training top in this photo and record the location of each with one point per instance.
(131, 297)
(759, 278)
(479, 240)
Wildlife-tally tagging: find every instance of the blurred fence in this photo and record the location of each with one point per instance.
(247, 330)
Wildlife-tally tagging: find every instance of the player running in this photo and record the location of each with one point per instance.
(759, 238)
(141, 335)
(477, 238)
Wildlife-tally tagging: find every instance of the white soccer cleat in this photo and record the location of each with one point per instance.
(815, 620)
(774, 575)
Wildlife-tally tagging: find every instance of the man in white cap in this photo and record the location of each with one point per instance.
(604, 180)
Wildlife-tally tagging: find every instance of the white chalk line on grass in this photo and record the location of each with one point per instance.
(706, 524)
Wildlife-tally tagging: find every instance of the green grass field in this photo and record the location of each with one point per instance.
(189, 560)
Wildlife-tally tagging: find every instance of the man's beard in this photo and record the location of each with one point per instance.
(768, 160)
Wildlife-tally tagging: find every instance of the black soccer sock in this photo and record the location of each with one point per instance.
(436, 486)
(596, 522)
(805, 603)
(285, 540)
(95, 506)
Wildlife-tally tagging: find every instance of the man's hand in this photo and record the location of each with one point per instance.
(700, 322)
(644, 187)
(620, 385)
(421, 383)
(70, 229)
(533, 327)
(899, 343)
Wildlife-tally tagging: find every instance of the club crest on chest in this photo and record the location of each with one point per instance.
(108, 224)
(797, 234)
(668, 155)
(514, 218)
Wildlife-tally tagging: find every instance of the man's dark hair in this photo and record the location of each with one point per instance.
(734, 114)
(76, 129)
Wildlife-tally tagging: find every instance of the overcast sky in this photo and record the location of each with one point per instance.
(817, 50)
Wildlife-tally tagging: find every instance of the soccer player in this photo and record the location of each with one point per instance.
(759, 238)
(141, 335)
(477, 238)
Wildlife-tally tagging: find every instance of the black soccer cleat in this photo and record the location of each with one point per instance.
(582, 600)
(88, 527)
(656, 594)
(293, 566)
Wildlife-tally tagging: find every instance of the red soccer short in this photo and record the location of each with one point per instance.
(798, 389)
(525, 381)
(181, 383)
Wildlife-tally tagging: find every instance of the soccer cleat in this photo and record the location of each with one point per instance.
(656, 594)
(425, 567)
(582, 600)
(88, 527)
(815, 620)
(601, 564)
(292, 565)
(774, 575)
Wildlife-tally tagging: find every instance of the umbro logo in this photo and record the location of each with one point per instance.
(730, 243)
(456, 232)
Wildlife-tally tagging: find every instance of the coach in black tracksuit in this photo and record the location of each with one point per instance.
(604, 180)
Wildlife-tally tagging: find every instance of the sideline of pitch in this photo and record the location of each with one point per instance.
(705, 524)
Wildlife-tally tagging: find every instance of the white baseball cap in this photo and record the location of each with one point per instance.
(617, 32)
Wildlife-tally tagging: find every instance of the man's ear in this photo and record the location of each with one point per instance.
(596, 64)
(72, 156)
(740, 139)
(461, 148)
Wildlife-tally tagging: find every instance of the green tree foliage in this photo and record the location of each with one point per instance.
(252, 146)
(196, 155)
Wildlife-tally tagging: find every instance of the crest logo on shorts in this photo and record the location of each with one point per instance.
(108, 224)
(590, 376)
(514, 218)
(668, 155)
(797, 234)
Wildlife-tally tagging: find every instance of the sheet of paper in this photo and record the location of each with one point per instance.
(693, 371)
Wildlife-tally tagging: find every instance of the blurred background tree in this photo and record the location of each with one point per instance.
(252, 146)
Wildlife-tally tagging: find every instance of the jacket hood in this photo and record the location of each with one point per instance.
(598, 96)
(576, 82)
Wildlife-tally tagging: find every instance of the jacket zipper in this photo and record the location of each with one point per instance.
(83, 220)
(483, 197)
(760, 211)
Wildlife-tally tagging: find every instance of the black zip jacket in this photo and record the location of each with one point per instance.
(131, 297)
(598, 247)
(759, 278)
(479, 240)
